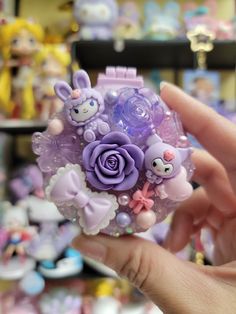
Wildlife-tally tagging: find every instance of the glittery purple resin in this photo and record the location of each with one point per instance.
(113, 163)
(116, 159)
(137, 112)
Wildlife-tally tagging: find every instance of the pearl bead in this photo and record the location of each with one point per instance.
(183, 139)
(123, 199)
(123, 219)
(146, 219)
(168, 114)
(111, 96)
(55, 127)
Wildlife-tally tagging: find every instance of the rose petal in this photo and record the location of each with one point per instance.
(136, 153)
(108, 180)
(128, 182)
(112, 162)
(122, 163)
(87, 152)
(130, 164)
(93, 180)
(99, 150)
(116, 138)
(105, 170)
(107, 154)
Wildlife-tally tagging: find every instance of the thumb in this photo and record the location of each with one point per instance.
(172, 284)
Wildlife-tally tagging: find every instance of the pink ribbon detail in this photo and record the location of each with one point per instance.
(141, 199)
(68, 190)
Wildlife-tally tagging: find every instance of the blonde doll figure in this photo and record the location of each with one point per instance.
(20, 40)
(52, 65)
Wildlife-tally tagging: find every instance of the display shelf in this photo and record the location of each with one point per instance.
(22, 126)
(172, 54)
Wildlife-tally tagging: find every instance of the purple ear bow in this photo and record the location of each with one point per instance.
(68, 188)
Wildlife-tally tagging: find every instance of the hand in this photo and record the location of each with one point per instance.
(176, 286)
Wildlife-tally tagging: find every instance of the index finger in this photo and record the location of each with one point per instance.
(214, 132)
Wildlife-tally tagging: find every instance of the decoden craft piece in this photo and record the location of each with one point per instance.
(115, 159)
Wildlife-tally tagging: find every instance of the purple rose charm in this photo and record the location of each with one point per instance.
(113, 163)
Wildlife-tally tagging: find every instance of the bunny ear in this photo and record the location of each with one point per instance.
(172, 8)
(151, 8)
(62, 90)
(185, 153)
(153, 139)
(81, 80)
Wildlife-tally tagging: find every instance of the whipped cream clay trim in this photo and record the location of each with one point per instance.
(68, 187)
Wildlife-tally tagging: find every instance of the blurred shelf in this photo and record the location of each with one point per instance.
(22, 127)
(172, 54)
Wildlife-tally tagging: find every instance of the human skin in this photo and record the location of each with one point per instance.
(176, 286)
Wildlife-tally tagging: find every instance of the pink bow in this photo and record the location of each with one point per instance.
(141, 199)
(68, 190)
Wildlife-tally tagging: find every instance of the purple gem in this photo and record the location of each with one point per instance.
(123, 219)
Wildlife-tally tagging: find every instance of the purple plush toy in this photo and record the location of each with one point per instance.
(115, 160)
(96, 18)
(26, 181)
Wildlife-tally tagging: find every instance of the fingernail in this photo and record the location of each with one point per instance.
(168, 240)
(90, 248)
(162, 85)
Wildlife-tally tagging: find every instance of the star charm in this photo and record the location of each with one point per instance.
(201, 39)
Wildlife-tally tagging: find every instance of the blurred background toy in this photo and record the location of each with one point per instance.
(52, 65)
(206, 15)
(61, 301)
(20, 41)
(50, 245)
(26, 181)
(128, 25)
(161, 23)
(15, 262)
(96, 18)
(104, 301)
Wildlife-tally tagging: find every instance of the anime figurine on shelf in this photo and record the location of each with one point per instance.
(15, 262)
(52, 239)
(20, 41)
(97, 155)
(128, 24)
(206, 15)
(96, 18)
(161, 23)
(52, 63)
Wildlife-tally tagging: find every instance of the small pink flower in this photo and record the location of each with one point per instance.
(76, 93)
